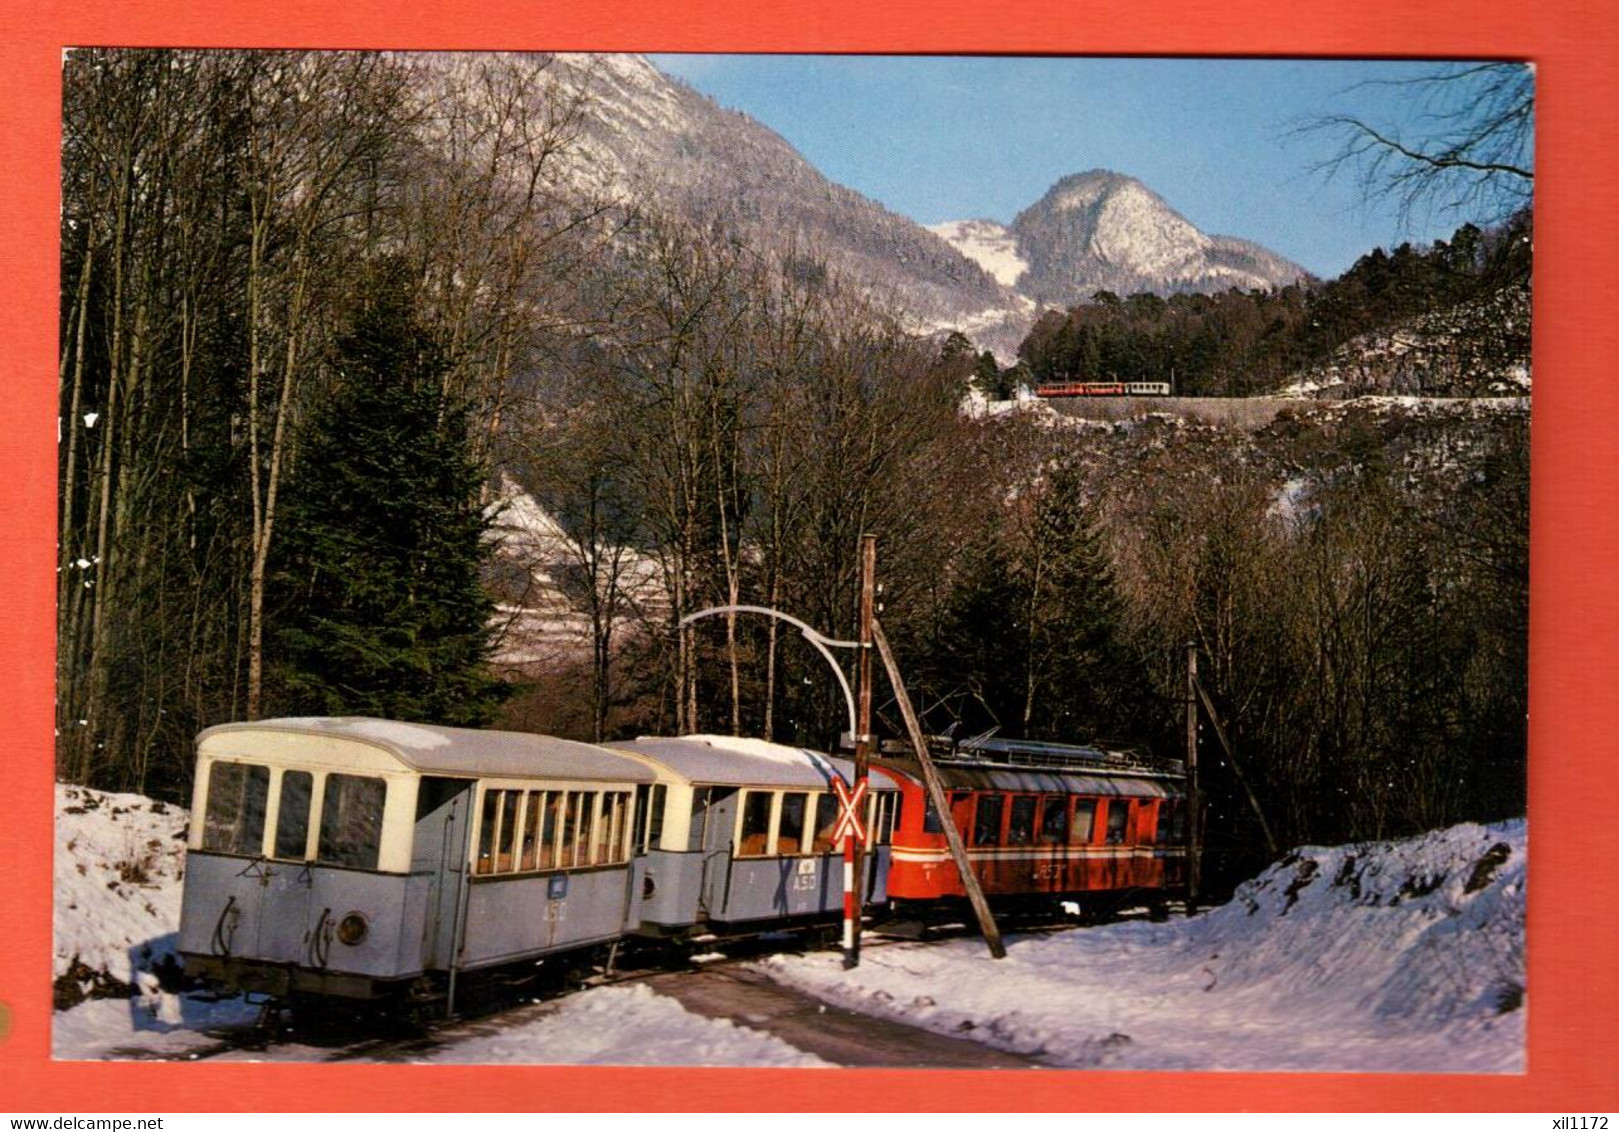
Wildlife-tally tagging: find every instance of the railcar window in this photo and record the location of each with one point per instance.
(1020, 829)
(234, 820)
(1177, 822)
(1118, 816)
(755, 824)
(790, 829)
(987, 819)
(886, 818)
(1084, 821)
(351, 820)
(1054, 820)
(931, 822)
(292, 821)
(533, 811)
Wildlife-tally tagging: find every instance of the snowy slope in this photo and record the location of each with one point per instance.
(118, 863)
(1392, 957)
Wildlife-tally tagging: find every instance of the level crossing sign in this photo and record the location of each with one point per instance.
(849, 821)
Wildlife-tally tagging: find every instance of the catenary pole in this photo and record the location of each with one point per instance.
(854, 856)
(1194, 817)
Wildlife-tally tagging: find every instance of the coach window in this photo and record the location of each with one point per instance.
(610, 829)
(589, 818)
(826, 818)
(555, 803)
(292, 819)
(1054, 819)
(351, 820)
(987, 819)
(1020, 828)
(234, 819)
(755, 840)
(487, 819)
(1084, 821)
(533, 810)
(790, 828)
(654, 825)
(567, 828)
(1118, 817)
(505, 857)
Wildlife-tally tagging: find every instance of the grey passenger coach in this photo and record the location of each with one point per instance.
(361, 857)
(738, 832)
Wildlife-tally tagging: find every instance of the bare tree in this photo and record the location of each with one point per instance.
(1469, 149)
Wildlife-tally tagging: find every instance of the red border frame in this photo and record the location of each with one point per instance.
(1574, 924)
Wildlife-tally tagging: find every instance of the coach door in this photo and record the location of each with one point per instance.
(439, 848)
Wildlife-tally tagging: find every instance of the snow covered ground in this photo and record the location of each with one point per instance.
(1403, 956)
(118, 863)
(1391, 957)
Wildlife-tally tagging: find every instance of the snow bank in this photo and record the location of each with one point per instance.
(1393, 957)
(118, 863)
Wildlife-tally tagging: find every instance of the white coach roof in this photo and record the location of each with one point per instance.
(460, 751)
(729, 759)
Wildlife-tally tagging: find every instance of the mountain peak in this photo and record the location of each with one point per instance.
(1103, 230)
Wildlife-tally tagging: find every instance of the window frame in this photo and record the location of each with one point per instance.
(255, 846)
(1000, 807)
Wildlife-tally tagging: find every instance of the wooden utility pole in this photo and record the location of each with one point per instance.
(1194, 820)
(941, 804)
(854, 855)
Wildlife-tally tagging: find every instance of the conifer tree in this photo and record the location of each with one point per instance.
(381, 608)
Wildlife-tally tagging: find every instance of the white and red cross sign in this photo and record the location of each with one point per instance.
(849, 820)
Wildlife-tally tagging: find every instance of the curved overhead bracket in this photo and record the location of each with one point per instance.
(821, 643)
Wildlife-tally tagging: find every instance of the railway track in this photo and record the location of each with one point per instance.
(719, 982)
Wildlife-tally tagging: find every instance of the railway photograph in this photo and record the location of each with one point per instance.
(793, 561)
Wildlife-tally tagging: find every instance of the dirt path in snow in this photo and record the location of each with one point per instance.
(841, 1036)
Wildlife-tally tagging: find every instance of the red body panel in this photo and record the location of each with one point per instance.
(1042, 865)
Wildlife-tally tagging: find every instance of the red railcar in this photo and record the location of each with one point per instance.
(1043, 822)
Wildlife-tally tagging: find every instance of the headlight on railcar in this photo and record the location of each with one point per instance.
(351, 929)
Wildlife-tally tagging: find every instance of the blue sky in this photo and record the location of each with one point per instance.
(953, 138)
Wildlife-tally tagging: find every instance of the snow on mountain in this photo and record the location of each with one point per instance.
(645, 134)
(1101, 230)
(990, 245)
(646, 138)
(1403, 956)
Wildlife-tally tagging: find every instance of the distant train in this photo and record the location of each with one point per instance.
(1104, 389)
(373, 860)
